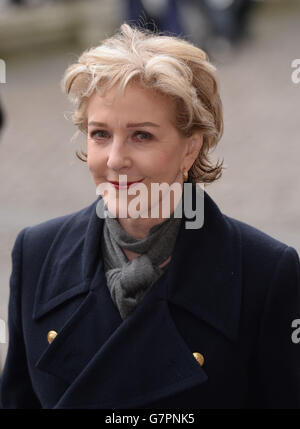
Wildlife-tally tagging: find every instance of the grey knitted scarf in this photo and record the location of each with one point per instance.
(128, 281)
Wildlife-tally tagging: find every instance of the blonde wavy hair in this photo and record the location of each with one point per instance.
(167, 64)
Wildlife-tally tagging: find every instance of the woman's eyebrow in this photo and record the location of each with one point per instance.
(129, 125)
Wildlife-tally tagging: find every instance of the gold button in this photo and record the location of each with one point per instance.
(199, 358)
(51, 336)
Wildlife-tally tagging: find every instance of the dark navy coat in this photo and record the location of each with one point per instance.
(231, 293)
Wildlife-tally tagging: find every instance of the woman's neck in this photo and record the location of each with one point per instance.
(139, 228)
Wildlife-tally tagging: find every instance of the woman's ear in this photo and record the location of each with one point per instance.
(194, 144)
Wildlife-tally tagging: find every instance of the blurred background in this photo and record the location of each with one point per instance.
(253, 45)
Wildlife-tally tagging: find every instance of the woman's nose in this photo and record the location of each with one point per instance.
(118, 155)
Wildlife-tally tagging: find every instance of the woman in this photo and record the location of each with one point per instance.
(141, 311)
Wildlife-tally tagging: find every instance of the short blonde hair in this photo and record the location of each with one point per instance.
(167, 64)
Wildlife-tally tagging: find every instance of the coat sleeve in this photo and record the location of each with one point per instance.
(15, 385)
(276, 362)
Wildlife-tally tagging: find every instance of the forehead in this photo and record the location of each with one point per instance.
(135, 103)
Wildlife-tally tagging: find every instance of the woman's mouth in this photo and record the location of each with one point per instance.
(125, 185)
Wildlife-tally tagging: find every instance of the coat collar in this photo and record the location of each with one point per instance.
(204, 275)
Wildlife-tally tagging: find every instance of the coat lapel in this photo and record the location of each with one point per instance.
(206, 276)
(143, 358)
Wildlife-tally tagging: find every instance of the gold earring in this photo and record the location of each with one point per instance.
(185, 175)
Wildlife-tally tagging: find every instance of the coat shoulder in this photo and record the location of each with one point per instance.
(38, 238)
(50, 227)
(255, 240)
(260, 251)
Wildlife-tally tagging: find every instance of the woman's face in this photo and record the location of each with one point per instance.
(133, 135)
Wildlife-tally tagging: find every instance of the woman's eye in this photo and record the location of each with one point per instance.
(100, 134)
(143, 135)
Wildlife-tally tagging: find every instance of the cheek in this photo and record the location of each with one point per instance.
(166, 162)
(95, 163)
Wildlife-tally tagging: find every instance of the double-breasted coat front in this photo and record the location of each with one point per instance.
(230, 292)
